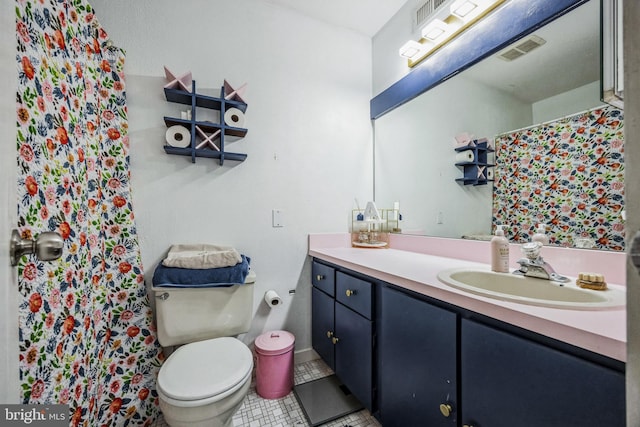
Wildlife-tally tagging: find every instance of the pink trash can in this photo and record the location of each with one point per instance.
(274, 364)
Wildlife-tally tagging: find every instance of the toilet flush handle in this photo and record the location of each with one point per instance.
(163, 296)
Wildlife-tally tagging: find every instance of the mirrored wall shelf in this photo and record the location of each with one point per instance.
(207, 138)
(476, 170)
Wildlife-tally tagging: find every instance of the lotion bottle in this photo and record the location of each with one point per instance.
(499, 252)
(541, 235)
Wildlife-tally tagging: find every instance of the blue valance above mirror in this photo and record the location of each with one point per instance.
(514, 20)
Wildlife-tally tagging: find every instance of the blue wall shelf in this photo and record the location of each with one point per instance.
(215, 131)
(476, 171)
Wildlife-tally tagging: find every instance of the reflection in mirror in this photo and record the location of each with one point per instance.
(414, 150)
(567, 175)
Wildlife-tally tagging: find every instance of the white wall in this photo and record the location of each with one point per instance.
(579, 99)
(308, 145)
(8, 210)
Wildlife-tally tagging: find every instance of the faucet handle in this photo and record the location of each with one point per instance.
(558, 278)
(524, 266)
(532, 250)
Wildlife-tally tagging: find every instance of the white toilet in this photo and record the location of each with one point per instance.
(203, 382)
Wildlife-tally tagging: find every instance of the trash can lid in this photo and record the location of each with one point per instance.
(275, 342)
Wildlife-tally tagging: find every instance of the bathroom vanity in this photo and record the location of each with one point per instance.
(416, 352)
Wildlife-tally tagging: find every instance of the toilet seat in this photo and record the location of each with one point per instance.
(205, 371)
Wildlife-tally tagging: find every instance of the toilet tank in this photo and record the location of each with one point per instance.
(185, 315)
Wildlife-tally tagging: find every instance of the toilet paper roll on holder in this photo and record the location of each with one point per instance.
(272, 298)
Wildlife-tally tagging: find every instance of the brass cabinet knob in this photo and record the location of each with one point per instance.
(334, 340)
(349, 292)
(319, 277)
(329, 334)
(446, 409)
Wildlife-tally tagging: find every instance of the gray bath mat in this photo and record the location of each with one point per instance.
(325, 399)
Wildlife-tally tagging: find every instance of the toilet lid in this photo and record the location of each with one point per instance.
(203, 369)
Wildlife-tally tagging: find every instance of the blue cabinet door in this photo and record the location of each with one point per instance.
(322, 329)
(417, 359)
(510, 381)
(354, 353)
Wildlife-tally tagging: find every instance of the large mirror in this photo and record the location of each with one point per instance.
(414, 143)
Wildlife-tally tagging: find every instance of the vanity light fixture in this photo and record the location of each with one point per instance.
(462, 8)
(410, 49)
(448, 20)
(436, 30)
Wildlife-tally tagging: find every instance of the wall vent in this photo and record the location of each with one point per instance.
(521, 47)
(426, 10)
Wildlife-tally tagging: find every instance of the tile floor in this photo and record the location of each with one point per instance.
(286, 412)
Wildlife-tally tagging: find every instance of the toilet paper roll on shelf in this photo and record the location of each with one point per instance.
(272, 298)
(234, 117)
(464, 156)
(178, 136)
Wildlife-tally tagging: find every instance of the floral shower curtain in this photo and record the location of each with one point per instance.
(567, 174)
(86, 332)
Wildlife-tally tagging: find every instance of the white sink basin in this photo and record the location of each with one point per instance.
(532, 291)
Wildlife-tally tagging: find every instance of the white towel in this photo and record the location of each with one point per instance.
(201, 256)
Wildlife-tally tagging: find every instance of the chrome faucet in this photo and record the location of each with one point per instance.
(533, 265)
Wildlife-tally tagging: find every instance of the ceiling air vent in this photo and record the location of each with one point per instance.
(521, 47)
(426, 10)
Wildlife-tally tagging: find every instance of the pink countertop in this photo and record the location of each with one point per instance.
(600, 331)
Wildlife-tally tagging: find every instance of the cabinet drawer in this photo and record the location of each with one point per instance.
(354, 293)
(323, 278)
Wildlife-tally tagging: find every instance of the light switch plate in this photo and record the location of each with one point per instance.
(276, 218)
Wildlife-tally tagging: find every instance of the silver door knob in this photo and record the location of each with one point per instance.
(635, 251)
(47, 247)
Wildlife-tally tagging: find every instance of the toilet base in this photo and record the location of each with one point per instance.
(217, 414)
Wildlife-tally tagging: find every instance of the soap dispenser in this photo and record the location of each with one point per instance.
(499, 251)
(541, 235)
